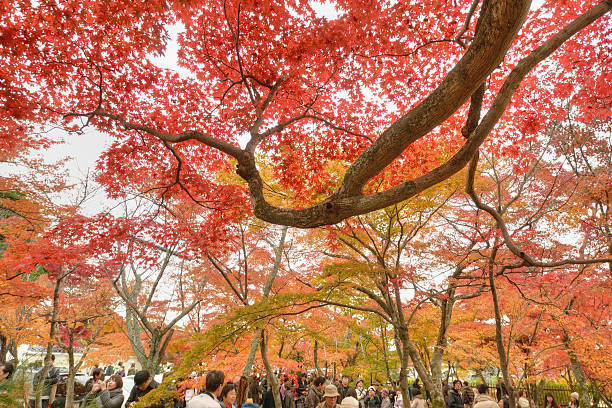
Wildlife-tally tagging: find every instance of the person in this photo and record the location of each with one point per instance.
(315, 394)
(504, 403)
(108, 394)
(289, 398)
(399, 399)
(416, 386)
(385, 400)
(268, 398)
(349, 402)
(143, 384)
(467, 393)
(228, 396)
(109, 370)
(372, 400)
(574, 401)
(361, 392)
(212, 390)
(455, 400)
(483, 399)
(254, 390)
(523, 402)
(417, 401)
(501, 389)
(51, 378)
(121, 370)
(549, 401)
(344, 388)
(132, 369)
(6, 371)
(330, 397)
(96, 375)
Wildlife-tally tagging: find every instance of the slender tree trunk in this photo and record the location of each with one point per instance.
(315, 351)
(70, 380)
(403, 377)
(582, 387)
(499, 339)
(278, 257)
(272, 380)
(47, 362)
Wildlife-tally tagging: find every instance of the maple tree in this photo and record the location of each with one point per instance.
(273, 72)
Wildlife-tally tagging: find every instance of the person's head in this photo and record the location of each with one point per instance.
(351, 393)
(465, 384)
(52, 360)
(349, 402)
(574, 396)
(331, 395)
(96, 373)
(416, 381)
(115, 381)
(504, 403)
(142, 379)
(120, 364)
(345, 380)
(6, 371)
(523, 393)
(416, 392)
(550, 399)
(214, 381)
(457, 385)
(228, 395)
(384, 392)
(359, 384)
(371, 391)
(319, 383)
(483, 388)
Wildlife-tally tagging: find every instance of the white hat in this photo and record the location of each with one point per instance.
(349, 402)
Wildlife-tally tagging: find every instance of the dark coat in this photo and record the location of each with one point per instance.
(314, 398)
(136, 393)
(344, 392)
(373, 402)
(454, 399)
(110, 399)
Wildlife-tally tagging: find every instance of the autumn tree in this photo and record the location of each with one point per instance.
(365, 87)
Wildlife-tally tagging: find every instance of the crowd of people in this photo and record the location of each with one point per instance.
(105, 390)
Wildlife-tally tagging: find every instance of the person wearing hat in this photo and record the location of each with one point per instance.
(385, 401)
(349, 402)
(372, 400)
(330, 397)
(574, 402)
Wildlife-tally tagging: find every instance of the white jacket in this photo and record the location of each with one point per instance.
(203, 401)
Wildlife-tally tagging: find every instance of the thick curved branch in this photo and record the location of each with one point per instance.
(343, 205)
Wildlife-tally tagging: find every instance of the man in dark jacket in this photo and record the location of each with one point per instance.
(315, 394)
(344, 388)
(143, 383)
(52, 377)
(454, 396)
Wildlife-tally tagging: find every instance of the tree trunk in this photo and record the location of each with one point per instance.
(70, 380)
(278, 253)
(315, 351)
(499, 339)
(272, 380)
(580, 382)
(46, 365)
